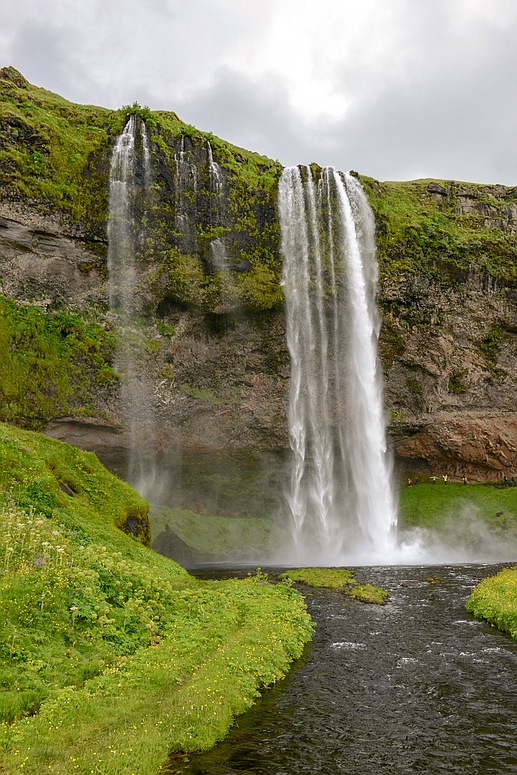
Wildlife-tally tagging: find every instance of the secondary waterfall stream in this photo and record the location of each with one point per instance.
(129, 183)
(340, 498)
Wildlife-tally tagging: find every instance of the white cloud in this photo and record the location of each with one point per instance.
(395, 89)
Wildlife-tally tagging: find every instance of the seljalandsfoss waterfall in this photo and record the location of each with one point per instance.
(340, 500)
(129, 185)
(340, 497)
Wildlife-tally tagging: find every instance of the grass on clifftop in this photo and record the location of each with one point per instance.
(337, 578)
(417, 235)
(495, 600)
(112, 656)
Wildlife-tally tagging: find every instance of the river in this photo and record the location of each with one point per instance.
(415, 686)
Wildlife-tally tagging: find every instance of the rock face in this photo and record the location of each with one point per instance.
(211, 339)
(451, 386)
(40, 262)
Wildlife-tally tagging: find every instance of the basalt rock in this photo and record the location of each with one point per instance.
(211, 339)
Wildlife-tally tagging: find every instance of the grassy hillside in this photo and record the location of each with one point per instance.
(112, 656)
(440, 236)
(232, 538)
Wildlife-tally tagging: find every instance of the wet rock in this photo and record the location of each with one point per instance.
(170, 545)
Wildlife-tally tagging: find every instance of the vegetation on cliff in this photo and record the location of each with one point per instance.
(52, 363)
(495, 600)
(440, 230)
(112, 656)
(55, 156)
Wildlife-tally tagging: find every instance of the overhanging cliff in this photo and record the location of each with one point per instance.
(211, 333)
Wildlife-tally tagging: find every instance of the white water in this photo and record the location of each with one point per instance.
(128, 202)
(215, 179)
(340, 495)
(185, 188)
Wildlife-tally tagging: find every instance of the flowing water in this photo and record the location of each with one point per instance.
(129, 184)
(415, 686)
(340, 498)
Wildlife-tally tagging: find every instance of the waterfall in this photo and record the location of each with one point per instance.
(185, 188)
(215, 180)
(121, 267)
(130, 178)
(340, 497)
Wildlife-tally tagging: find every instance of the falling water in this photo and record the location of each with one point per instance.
(129, 182)
(340, 496)
(185, 188)
(215, 178)
(121, 266)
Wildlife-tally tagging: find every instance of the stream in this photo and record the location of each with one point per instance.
(416, 685)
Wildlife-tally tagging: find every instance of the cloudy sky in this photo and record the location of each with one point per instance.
(397, 89)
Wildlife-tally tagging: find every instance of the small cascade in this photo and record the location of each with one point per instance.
(340, 495)
(215, 179)
(129, 183)
(185, 187)
(121, 267)
(146, 153)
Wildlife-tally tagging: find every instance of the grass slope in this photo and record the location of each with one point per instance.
(431, 505)
(495, 599)
(112, 656)
(417, 235)
(223, 537)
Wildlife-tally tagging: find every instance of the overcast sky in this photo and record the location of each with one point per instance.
(396, 89)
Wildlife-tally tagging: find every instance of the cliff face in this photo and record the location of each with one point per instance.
(211, 334)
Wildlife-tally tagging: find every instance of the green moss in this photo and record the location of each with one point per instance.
(455, 384)
(488, 347)
(202, 395)
(495, 600)
(337, 578)
(49, 363)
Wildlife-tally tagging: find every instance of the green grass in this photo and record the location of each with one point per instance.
(419, 236)
(337, 578)
(222, 537)
(495, 600)
(430, 505)
(112, 656)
